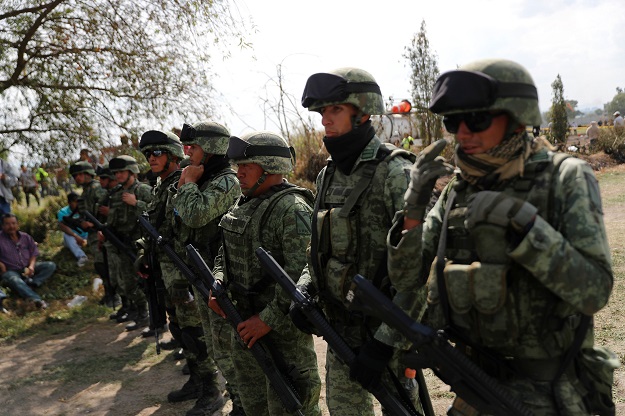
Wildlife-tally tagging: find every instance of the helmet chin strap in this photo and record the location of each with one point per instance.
(123, 184)
(166, 167)
(357, 119)
(259, 182)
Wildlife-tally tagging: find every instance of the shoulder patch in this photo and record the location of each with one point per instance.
(225, 183)
(302, 222)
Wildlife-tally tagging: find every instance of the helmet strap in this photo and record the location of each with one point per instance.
(357, 119)
(259, 182)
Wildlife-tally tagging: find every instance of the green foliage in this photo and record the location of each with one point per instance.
(571, 109)
(612, 142)
(560, 125)
(73, 72)
(617, 104)
(311, 158)
(424, 72)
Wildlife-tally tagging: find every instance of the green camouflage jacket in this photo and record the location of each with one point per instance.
(355, 242)
(279, 221)
(519, 298)
(198, 210)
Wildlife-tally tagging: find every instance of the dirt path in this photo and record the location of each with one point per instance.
(100, 369)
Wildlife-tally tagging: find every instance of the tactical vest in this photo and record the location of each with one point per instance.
(123, 217)
(241, 228)
(345, 224)
(494, 302)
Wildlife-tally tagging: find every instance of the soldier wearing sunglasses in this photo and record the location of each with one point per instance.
(513, 258)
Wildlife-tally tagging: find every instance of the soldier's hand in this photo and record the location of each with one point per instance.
(370, 363)
(496, 208)
(129, 198)
(214, 305)
(252, 330)
(180, 294)
(191, 174)
(103, 210)
(423, 175)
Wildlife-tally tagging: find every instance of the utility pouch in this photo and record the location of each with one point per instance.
(595, 371)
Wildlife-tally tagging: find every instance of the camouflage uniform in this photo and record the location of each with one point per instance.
(518, 295)
(343, 245)
(122, 221)
(198, 208)
(279, 221)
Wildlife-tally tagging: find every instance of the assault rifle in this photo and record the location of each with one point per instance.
(206, 285)
(343, 351)
(157, 319)
(110, 236)
(432, 349)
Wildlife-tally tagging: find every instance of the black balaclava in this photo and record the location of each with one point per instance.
(346, 149)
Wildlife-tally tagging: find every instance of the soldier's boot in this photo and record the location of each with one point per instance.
(190, 390)
(210, 400)
(176, 336)
(142, 319)
(121, 315)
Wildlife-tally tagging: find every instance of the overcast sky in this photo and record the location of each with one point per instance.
(577, 39)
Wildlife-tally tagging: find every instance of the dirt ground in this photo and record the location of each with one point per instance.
(99, 369)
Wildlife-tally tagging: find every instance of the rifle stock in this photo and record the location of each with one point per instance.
(207, 285)
(435, 351)
(342, 350)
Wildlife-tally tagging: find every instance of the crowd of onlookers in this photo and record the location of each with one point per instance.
(19, 269)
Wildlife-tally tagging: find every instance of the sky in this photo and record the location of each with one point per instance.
(579, 40)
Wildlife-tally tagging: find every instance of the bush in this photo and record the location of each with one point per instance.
(311, 157)
(612, 142)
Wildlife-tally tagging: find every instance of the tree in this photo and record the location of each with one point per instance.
(73, 73)
(559, 121)
(424, 72)
(617, 103)
(571, 109)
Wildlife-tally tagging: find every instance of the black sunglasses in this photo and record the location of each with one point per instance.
(155, 152)
(476, 121)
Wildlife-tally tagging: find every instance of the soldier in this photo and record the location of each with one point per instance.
(358, 193)
(524, 255)
(126, 204)
(163, 151)
(205, 191)
(92, 192)
(275, 215)
(108, 183)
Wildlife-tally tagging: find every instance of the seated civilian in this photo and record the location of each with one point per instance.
(74, 238)
(19, 269)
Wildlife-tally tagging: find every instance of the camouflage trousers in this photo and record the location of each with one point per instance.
(198, 347)
(221, 334)
(124, 277)
(298, 352)
(347, 397)
(539, 398)
(93, 243)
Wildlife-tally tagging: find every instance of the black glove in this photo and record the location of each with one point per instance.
(180, 293)
(300, 320)
(370, 363)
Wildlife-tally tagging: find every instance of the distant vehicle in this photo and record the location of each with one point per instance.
(400, 121)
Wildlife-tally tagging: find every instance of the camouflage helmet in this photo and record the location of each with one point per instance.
(81, 167)
(264, 148)
(165, 140)
(343, 86)
(210, 136)
(105, 172)
(124, 162)
(489, 84)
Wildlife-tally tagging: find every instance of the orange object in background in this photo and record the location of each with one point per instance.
(403, 107)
